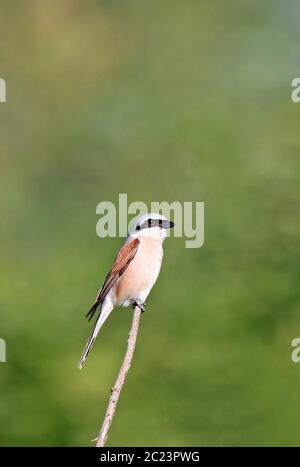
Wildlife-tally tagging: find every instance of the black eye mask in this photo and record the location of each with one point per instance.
(161, 223)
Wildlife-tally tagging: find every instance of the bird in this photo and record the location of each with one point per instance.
(134, 272)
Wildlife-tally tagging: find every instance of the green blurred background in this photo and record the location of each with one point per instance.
(163, 100)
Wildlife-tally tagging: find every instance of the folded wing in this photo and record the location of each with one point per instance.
(122, 261)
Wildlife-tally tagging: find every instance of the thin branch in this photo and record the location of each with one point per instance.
(116, 390)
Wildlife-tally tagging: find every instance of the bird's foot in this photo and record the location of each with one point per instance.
(142, 306)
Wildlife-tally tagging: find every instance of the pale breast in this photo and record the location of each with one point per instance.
(142, 272)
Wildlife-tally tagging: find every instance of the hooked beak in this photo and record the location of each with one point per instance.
(167, 224)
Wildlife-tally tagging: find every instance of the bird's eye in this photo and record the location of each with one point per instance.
(138, 227)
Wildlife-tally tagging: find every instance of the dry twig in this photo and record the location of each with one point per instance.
(116, 390)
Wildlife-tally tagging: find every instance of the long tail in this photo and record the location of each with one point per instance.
(106, 309)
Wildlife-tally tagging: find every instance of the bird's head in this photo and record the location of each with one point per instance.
(151, 225)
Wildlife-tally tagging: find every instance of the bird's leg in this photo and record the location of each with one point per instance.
(142, 306)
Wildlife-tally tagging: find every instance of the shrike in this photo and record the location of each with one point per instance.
(133, 273)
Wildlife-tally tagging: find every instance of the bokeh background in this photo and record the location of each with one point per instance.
(172, 100)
